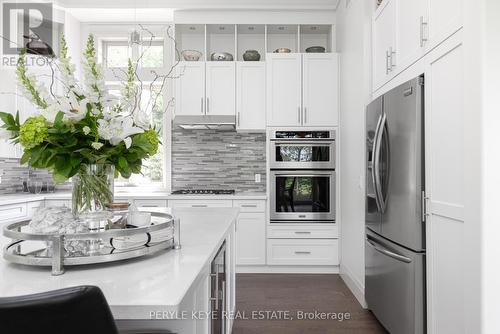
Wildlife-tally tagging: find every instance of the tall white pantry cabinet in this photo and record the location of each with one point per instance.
(411, 38)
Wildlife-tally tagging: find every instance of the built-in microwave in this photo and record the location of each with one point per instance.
(302, 149)
(299, 196)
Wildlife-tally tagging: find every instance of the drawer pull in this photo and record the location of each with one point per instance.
(249, 205)
(302, 232)
(149, 206)
(302, 253)
(199, 206)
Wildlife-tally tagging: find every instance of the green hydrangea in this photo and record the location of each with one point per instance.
(152, 138)
(33, 132)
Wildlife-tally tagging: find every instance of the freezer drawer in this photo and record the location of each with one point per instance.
(394, 285)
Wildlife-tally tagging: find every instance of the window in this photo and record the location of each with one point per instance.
(116, 54)
(152, 55)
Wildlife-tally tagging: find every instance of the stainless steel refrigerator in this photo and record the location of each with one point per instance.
(394, 216)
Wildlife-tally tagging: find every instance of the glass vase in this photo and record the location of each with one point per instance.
(93, 188)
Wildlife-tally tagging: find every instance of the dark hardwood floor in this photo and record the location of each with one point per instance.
(295, 293)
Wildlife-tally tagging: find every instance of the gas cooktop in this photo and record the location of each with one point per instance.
(204, 192)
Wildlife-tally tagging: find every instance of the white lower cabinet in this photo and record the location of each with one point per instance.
(302, 232)
(318, 252)
(13, 212)
(200, 204)
(251, 239)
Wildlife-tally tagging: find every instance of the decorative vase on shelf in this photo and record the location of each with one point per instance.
(93, 188)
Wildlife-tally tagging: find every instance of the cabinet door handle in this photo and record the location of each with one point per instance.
(239, 118)
(305, 115)
(298, 113)
(302, 253)
(249, 205)
(199, 206)
(392, 64)
(208, 105)
(302, 232)
(387, 56)
(202, 105)
(423, 25)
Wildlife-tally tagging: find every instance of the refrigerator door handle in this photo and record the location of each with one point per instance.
(379, 248)
(376, 164)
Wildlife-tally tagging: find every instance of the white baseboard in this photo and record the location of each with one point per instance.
(357, 289)
(287, 269)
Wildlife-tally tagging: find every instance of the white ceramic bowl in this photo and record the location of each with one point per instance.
(138, 218)
(191, 55)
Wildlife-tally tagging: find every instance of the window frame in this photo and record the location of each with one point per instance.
(106, 34)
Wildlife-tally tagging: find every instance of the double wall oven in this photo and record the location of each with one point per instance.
(302, 176)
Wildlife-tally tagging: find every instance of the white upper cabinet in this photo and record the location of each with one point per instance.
(320, 89)
(251, 95)
(384, 42)
(302, 89)
(445, 18)
(221, 88)
(404, 31)
(284, 103)
(190, 89)
(412, 31)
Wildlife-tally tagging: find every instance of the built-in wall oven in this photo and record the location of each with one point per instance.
(302, 177)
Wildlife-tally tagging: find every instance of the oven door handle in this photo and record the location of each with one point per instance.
(302, 140)
(323, 142)
(305, 175)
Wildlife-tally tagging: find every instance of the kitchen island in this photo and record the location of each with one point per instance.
(160, 289)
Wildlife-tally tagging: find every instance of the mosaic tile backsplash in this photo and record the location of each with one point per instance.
(218, 159)
(13, 176)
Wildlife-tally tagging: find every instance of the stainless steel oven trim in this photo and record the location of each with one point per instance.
(303, 216)
(310, 164)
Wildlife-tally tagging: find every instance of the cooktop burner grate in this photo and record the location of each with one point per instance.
(204, 192)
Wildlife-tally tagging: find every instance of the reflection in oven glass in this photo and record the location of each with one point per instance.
(302, 194)
(299, 153)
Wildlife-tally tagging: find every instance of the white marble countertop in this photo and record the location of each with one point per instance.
(134, 288)
(22, 197)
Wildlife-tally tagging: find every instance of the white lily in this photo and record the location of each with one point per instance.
(73, 109)
(117, 130)
(142, 120)
(96, 145)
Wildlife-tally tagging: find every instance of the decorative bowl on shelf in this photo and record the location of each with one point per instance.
(251, 55)
(191, 55)
(282, 50)
(315, 49)
(221, 56)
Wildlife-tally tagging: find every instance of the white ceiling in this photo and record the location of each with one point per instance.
(114, 15)
(204, 4)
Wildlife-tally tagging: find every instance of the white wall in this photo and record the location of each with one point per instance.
(73, 38)
(489, 130)
(354, 44)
